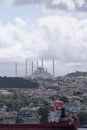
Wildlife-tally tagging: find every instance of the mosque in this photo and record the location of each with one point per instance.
(41, 72)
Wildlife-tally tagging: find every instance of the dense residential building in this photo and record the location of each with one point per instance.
(29, 116)
(8, 117)
(54, 116)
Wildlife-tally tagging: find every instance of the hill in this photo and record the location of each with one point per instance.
(77, 74)
(15, 82)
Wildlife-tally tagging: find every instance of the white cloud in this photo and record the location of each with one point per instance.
(20, 22)
(54, 37)
(62, 39)
(10, 2)
(81, 2)
(71, 5)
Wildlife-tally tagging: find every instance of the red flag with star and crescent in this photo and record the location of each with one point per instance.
(59, 104)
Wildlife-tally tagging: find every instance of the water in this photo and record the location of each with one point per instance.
(82, 129)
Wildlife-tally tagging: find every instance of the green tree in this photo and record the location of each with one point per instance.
(64, 99)
(19, 121)
(83, 117)
(43, 112)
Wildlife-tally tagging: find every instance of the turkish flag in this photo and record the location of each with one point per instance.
(59, 104)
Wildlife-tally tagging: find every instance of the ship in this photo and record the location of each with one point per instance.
(46, 126)
(64, 123)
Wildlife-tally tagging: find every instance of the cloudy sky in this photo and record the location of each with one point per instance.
(44, 29)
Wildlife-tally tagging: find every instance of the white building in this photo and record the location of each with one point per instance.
(8, 117)
(29, 116)
(4, 92)
(54, 116)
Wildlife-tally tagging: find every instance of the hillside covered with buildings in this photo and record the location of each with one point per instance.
(22, 104)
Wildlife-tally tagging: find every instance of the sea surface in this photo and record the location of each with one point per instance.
(82, 129)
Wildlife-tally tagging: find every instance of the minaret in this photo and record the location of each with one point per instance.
(37, 64)
(32, 67)
(42, 63)
(53, 69)
(15, 69)
(26, 67)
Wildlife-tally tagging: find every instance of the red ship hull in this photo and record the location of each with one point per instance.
(48, 126)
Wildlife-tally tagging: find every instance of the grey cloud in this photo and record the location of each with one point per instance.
(20, 2)
(72, 5)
